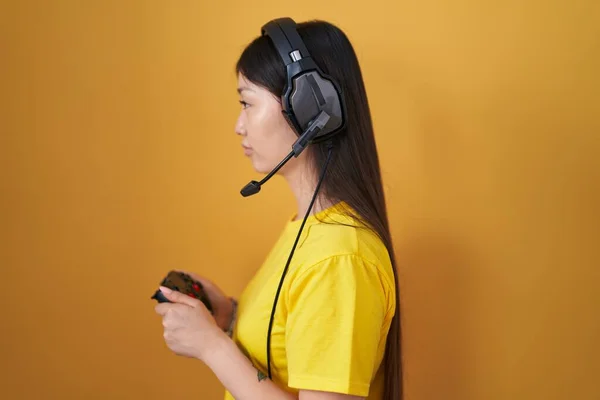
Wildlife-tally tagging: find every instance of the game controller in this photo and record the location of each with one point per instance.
(183, 283)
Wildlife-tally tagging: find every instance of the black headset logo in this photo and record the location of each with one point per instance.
(313, 105)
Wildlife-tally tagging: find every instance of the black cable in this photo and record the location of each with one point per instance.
(330, 147)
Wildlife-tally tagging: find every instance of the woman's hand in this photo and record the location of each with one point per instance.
(222, 306)
(189, 328)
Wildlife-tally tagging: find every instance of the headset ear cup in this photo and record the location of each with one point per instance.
(311, 92)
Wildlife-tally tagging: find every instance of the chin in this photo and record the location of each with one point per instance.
(262, 167)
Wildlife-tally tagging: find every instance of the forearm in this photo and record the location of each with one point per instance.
(239, 376)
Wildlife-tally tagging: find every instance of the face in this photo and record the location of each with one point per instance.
(266, 136)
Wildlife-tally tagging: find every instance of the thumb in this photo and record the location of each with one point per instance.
(178, 297)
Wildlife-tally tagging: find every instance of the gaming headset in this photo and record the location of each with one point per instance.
(313, 104)
(312, 101)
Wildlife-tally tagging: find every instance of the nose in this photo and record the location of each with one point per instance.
(240, 127)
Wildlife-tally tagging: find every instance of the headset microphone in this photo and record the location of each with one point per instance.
(301, 143)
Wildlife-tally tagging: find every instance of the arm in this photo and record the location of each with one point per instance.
(316, 395)
(190, 330)
(239, 376)
(338, 316)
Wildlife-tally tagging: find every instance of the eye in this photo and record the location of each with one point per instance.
(244, 104)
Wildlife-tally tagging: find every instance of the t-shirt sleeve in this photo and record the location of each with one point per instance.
(337, 311)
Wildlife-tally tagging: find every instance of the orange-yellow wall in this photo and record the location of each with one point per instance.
(119, 161)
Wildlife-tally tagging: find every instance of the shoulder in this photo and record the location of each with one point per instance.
(344, 237)
(340, 245)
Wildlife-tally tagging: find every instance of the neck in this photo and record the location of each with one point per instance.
(303, 184)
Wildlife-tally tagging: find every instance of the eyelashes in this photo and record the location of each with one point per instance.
(244, 104)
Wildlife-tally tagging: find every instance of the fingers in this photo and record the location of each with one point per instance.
(171, 310)
(162, 308)
(171, 318)
(178, 297)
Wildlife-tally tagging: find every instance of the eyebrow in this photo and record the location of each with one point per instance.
(241, 89)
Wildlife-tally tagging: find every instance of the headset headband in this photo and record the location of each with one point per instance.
(286, 39)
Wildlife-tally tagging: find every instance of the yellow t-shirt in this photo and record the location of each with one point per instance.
(334, 309)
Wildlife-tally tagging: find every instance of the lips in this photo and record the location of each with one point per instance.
(247, 149)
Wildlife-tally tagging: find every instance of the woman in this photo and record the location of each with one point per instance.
(335, 331)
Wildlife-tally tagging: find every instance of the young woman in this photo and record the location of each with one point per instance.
(335, 331)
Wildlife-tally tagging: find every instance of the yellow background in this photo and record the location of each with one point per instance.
(119, 161)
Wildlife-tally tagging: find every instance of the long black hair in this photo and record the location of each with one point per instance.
(353, 175)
